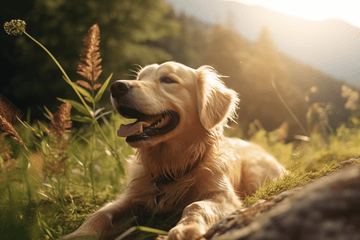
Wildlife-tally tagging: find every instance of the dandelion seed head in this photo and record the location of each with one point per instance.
(15, 27)
(352, 97)
(314, 89)
(345, 91)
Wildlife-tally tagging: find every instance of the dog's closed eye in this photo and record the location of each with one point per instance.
(166, 79)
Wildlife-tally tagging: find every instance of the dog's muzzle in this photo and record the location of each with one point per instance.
(146, 125)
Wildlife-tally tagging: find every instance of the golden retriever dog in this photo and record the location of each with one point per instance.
(183, 160)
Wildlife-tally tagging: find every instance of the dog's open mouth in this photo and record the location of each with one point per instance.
(146, 126)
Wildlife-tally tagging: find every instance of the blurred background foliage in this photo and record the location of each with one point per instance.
(140, 32)
(127, 29)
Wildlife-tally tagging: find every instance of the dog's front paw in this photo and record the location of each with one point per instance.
(189, 232)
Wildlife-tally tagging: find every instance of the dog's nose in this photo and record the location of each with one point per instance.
(118, 89)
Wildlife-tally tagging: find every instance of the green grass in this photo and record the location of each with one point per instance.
(34, 210)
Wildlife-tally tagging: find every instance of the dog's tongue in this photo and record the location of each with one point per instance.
(131, 129)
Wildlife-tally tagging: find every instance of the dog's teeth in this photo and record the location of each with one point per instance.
(157, 123)
(160, 123)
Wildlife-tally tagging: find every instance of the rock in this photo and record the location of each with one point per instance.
(327, 208)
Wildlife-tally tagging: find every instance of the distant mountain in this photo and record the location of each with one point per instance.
(332, 46)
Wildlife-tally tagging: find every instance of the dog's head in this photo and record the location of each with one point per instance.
(172, 103)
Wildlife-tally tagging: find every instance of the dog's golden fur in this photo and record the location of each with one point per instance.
(210, 173)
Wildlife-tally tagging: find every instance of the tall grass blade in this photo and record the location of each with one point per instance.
(103, 114)
(83, 92)
(102, 89)
(83, 119)
(151, 230)
(287, 107)
(78, 106)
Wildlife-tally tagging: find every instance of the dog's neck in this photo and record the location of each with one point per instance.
(168, 162)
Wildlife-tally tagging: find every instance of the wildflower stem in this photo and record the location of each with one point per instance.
(10, 196)
(117, 157)
(26, 176)
(62, 70)
(91, 166)
(48, 52)
(287, 107)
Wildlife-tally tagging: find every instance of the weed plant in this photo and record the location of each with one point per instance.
(52, 176)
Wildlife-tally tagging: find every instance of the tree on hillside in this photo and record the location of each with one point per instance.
(189, 47)
(126, 26)
(264, 53)
(225, 52)
(266, 46)
(181, 46)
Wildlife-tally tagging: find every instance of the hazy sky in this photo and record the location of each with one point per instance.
(347, 10)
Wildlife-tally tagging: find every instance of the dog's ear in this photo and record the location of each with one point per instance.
(216, 103)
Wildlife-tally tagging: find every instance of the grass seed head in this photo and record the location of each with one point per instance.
(89, 67)
(60, 122)
(8, 129)
(15, 27)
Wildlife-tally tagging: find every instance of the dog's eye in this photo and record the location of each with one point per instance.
(167, 80)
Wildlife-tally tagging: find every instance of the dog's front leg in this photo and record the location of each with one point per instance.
(105, 223)
(199, 216)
